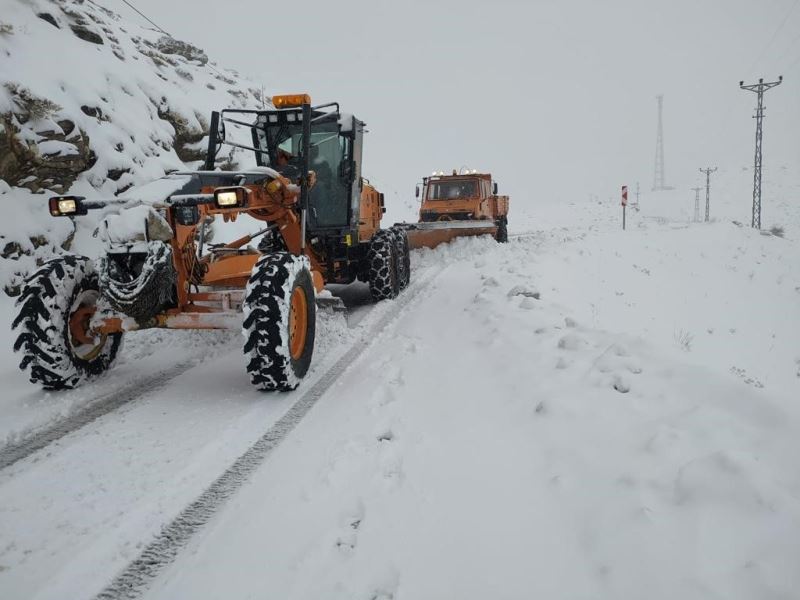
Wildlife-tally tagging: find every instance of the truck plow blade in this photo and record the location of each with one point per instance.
(430, 235)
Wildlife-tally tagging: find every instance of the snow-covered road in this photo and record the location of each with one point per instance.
(83, 507)
(520, 425)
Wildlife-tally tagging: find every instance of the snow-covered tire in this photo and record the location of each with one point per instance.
(279, 321)
(502, 230)
(382, 262)
(403, 254)
(61, 293)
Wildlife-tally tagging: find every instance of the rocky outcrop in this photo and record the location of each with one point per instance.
(169, 45)
(134, 106)
(53, 162)
(186, 138)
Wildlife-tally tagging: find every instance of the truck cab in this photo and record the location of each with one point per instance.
(461, 197)
(458, 205)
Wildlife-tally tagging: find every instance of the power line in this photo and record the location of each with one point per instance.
(774, 35)
(149, 20)
(146, 18)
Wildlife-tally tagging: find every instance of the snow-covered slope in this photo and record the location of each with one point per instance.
(534, 427)
(92, 104)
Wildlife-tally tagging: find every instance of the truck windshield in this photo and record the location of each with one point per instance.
(452, 190)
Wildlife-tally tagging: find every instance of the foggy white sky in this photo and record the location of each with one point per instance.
(556, 98)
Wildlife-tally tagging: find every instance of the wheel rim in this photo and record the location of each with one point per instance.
(84, 344)
(298, 323)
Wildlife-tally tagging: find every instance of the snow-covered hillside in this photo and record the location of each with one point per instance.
(92, 104)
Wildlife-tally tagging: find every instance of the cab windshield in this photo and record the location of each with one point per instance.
(328, 199)
(452, 190)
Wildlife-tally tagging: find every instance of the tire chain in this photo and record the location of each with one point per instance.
(382, 269)
(43, 312)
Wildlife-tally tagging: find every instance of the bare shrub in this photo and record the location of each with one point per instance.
(684, 340)
(777, 231)
(29, 105)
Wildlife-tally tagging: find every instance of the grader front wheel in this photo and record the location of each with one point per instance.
(56, 305)
(279, 321)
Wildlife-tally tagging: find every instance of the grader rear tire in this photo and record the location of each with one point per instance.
(55, 307)
(403, 254)
(382, 263)
(279, 321)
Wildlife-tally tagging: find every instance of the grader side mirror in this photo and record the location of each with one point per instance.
(494, 188)
(417, 192)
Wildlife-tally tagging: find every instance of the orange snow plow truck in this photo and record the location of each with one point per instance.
(456, 205)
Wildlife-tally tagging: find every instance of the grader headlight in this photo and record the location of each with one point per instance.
(234, 197)
(66, 206)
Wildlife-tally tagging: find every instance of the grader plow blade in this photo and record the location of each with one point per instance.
(430, 235)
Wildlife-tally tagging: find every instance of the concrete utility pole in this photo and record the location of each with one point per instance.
(697, 204)
(637, 196)
(708, 173)
(759, 88)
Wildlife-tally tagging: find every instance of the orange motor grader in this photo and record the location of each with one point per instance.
(456, 205)
(320, 223)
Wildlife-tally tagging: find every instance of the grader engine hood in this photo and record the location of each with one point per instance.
(133, 227)
(136, 276)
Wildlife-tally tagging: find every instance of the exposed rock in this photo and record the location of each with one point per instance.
(92, 111)
(169, 45)
(116, 174)
(49, 18)
(185, 136)
(67, 127)
(87, 34)
(23, 165)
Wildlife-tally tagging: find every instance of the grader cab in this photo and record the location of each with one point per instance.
(320, 223)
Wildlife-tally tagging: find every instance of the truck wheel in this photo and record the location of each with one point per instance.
(403, 257)
(382, 261)
(279, 321)
(502, 230)
(55, 308)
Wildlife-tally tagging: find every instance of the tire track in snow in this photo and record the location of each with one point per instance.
(524, 235)
(132, 581)
(14, 452)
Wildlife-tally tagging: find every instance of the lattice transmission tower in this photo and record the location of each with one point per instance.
(759, 88)
(659, 176)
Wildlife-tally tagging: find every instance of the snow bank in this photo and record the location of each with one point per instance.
(499, 440)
